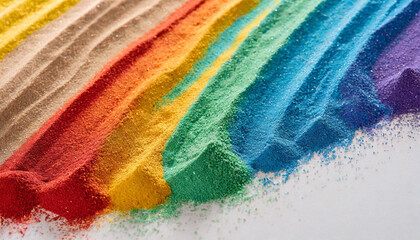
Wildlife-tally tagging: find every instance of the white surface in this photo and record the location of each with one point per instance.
(370, 191)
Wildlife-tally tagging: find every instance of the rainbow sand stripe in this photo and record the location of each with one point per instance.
(219, 90)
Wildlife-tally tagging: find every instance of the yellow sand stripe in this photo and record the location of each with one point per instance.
(18, 10)
(23, 24)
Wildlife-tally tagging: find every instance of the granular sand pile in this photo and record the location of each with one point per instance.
(120, 105)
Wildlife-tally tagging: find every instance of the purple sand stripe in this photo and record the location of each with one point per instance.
(397, 71)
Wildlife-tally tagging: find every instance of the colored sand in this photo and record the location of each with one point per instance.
(397, 71)
(188, 112)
